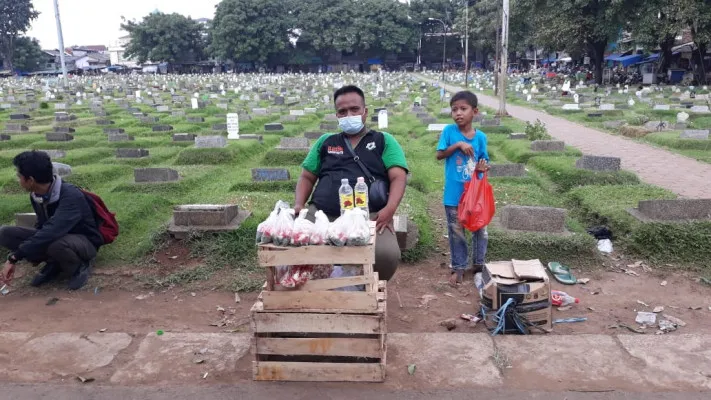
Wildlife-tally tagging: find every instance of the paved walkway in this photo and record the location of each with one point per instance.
(682, 175)
(625, 362)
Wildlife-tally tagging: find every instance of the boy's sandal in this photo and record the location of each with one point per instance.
(562, 273)
(455, 279)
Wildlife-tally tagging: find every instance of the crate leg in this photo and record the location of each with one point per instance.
(271, 273)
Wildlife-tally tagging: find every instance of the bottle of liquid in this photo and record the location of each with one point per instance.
(345, 196)
(562, 299)
(361, 195)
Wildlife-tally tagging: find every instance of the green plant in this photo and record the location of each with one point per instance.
(43, 105)
(537, 131)
(562, 171)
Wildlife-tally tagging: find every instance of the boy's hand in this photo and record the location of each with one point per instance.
(482, 166)
(466, 148)
(8, 272)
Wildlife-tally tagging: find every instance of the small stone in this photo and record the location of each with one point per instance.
(658, 309)
(192, 294)
(583, 280)
(664, 283)
(674, 320)
(450, 323)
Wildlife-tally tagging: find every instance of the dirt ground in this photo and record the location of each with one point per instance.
(118, 300)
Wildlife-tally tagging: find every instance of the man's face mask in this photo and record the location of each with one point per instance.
(351, 125)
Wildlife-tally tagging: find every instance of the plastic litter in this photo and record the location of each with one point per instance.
(562, 299)
(646, 318)
(604, 246)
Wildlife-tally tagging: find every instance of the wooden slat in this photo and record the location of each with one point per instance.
(258, 307)
(304, 299)
(271, 256)
(277, 322)
(346, 347)
(318, 372)
(335, 283)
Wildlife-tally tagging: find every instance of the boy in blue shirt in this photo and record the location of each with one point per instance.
(464, 150)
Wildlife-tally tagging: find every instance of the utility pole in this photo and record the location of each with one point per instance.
(504, 58)
(61, 42)
(466, 45)
(444, 47)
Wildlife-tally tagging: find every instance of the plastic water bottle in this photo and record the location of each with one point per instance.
(562, 299)
(479, 283)
(345, 196)
(361, 195)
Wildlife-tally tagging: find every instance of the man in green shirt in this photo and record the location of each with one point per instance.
(330, 160)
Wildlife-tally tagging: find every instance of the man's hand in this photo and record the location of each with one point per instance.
(8, 272)
(482, 166)
(298, 208)
(385, 220)
(466, 148)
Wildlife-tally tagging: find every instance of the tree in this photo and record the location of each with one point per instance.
(384, 26)
(163, 37)
(657, 23)
(28, 54)
(251, 30)
(696, 14)
(15, 19)
(326, 25)
(578, 26)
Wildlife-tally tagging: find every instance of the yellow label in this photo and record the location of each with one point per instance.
(361, 199)
(346, 201)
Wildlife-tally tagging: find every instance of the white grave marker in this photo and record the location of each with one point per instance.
(383, 119)
(232, 126)
(194, 103)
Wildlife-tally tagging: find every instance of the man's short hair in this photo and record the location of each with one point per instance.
(35, 164)
(467, 96)
(348, 89)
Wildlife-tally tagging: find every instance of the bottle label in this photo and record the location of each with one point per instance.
(361, 200)
(346, 201)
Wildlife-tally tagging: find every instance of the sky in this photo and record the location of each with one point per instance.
(96, 22)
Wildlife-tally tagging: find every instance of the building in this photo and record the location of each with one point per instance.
(51, 62)
(117, 48)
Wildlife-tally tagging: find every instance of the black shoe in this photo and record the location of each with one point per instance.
(46, 274)
(80, 277)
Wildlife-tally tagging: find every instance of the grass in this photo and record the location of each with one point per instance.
(562, 171)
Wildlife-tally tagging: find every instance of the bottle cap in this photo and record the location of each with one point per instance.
(361, 179)
(344, 181)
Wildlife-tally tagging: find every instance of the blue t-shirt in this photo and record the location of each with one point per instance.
(457, 167)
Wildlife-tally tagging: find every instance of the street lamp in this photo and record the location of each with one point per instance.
(444, 47)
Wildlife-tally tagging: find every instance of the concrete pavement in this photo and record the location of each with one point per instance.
(682, 175)
(626, 363)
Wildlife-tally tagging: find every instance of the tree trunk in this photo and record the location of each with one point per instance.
(7, 52)
(666, 47)
(496, 61)
(597, 58)
(698, 59)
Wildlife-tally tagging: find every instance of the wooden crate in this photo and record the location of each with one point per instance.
(320, 344)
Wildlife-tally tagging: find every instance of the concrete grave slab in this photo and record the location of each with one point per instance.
(270, 174)
(4, 137)
(170, 357)
(599, 163)
(273, 127)
(120, 137)
(59, 137)
(104, 122)
(152, 175)
(613, 124)
(517, 136)
(16, 128)
(500, 170)
(548, 145)
(329, 126)
(210, 142)
(63, 170)
(15, 117)
(219, 127)
(406, 232)
(183, 137)
(702, 134)
(672, 210)
(26, 220)
(114, 131)
(63, 129)
(53, 154)
(436, 127)
(195, 120)
(533, 219)
(313, 135)
(206, 218)
(162, 128)
(491, 122)
(293, 143)
(149, 120)
(131, 153)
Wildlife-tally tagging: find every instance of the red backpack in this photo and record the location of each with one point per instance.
(105, 219)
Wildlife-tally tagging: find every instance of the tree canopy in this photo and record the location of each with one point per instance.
(165, 38)
(15, 18)
(28, 54)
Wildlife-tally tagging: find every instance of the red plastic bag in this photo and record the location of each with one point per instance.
(477, 205)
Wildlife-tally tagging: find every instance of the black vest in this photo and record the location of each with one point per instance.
(337, 163)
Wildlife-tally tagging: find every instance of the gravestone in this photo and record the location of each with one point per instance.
(279, 101)
(142, 175)
(26, 220)
(19, 117)
(273, 127)
(548, 145)
(595, 115)
(662, 107)
(184, 137)
(406, 232)
(656, 126)
(64, 117)
(149, 120)
(383, 119)
(162, 128)
(63, 129)
(310, 110)
(163, 109)
(491, 122)
(120, 137)
(499, 170)
(613, 124)
(205, 218)
(329, 126)
(63, 170)
(113, 131)
(599, 163)
(700, 109)
(177, 113)
(698, 134)
(195, 120)
(428, 120)
(260, 111)
(103, 122)
(330, 118)
(288, 118)
(219, 127)
(517, 136)
(297, 113)
(60, 106)
(293, 143)
(533, 219)
(16, 128)
(55, 154)
(313, 135)
(131, 153)
(445, 111)
(270, 174)
(210, 142)
(571, 107)
(606, 107)
(672, 210)
(58, 137)
(232, 126)
(4, 137)
(436, 127)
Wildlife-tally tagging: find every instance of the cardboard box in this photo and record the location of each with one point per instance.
(527, 283)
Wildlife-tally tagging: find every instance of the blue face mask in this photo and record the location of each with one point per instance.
(351, 125)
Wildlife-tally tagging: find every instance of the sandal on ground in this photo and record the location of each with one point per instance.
(562, 273)
(455, 279)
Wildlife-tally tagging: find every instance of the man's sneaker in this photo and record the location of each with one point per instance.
(80, 277)
(46, 274)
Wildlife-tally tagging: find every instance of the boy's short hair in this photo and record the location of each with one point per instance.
(35, 164)
(467, 96)
(348, 89)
